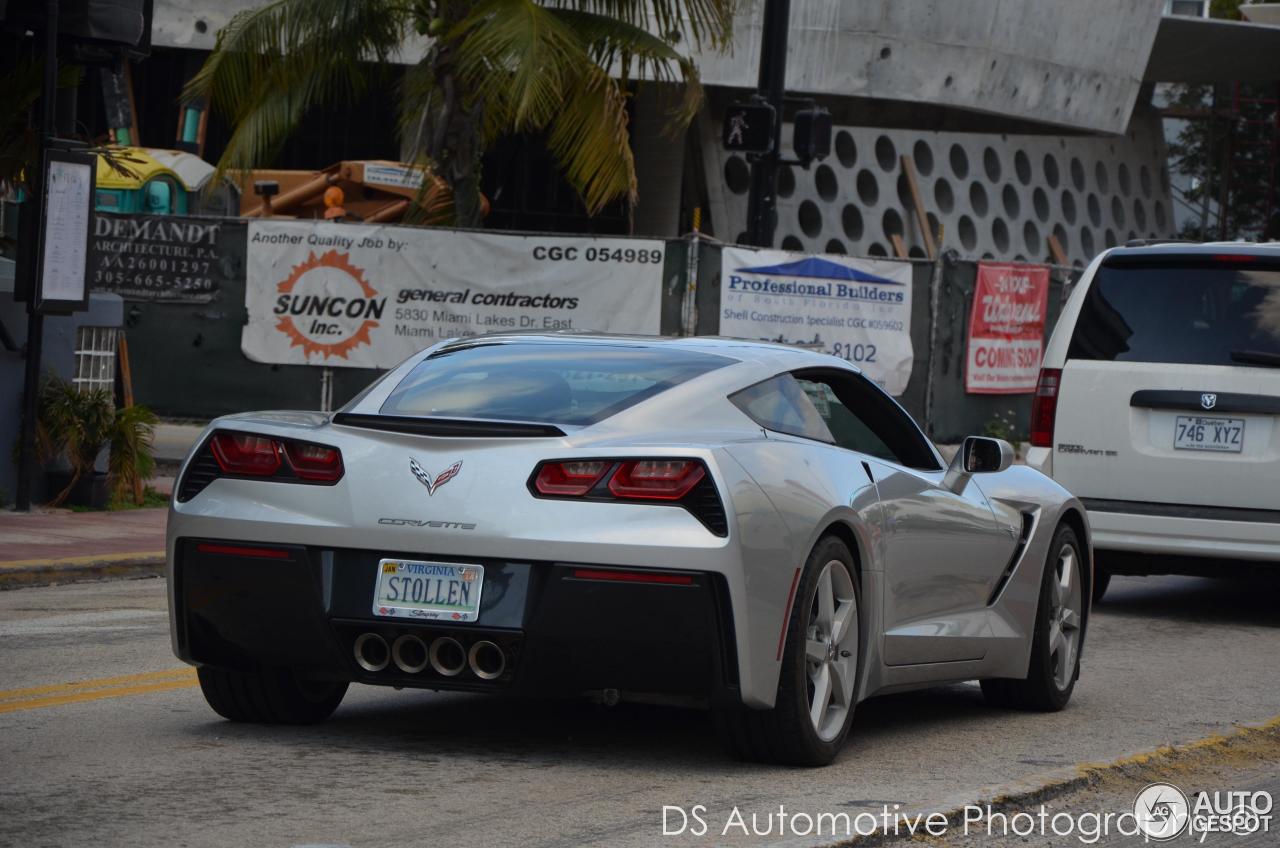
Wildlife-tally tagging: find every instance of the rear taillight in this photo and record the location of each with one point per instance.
(314, 462)
(655, 479)
(569, 479)
(1044, 407)
(243, 453)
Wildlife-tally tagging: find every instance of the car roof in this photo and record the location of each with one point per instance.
(772, 353)
(1263, 250)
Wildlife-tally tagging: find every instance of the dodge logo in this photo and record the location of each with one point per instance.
(1208, 400)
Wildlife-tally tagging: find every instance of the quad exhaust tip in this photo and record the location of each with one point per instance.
(372, 653)
(410, 654)
(447, 656)
(487, 660)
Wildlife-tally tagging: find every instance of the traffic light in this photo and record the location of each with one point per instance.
(749, 127)
(812, 134)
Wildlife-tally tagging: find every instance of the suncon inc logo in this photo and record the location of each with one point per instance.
(326, 306)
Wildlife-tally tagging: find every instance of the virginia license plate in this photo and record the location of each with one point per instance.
(433, 591)
(1196, 432)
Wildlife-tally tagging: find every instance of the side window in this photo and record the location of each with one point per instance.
(863, 418)
(847, 429)
(782, 405)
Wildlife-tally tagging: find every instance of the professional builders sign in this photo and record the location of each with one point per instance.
(857, 309)
(360, 296)
(1006, 329)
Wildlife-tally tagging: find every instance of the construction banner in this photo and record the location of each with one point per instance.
(1006, 329)
(856, 309)
(357, 296)
(175, 259)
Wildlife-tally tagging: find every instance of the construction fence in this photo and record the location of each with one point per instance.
(226, 314)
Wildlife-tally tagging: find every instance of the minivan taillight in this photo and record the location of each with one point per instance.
(1044, 407)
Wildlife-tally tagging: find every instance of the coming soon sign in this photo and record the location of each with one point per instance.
(1006, 329)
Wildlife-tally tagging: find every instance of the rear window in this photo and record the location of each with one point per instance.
(1195, 314)
(574, 384)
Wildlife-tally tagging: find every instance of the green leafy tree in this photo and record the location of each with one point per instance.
(558, 68)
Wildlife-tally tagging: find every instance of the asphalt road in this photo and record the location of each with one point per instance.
(104, 739)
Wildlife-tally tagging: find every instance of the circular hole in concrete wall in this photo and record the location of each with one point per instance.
(868, 188)
(891, 222)
(846, 149)
(978, 199)
(1139, 215)
(1159, 210)
(1109, 239)
(968, 233)
(959, 162)
(1095, 210)
(202, 26)
(924, 157)
(1018, 257)
(836, 246)
(792, 243)
(1117, 211)
(1060, 233)
(1132, 235)
(1086, 241)
(1051, 175)
(1077, 174)
(1000, 235)
(946, 83)
(737, 176)
(1022, 167)
(932, 220)
(877, 249)
(991, 162)
(885, 52)
(886, 154)
(1069, 207)
(1012, 206)
(1101, 177)
(1040, 202)
(916, 252)
(786, 181)
(1144, 181)
(1122, 177)
(824, 178)
(810, 218)
(851, 222)
(742, 238)
(904, 193)
(943, 195)
(1031, 236)
(988, 255)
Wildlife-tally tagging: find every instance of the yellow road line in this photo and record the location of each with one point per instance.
(84, 560)
(55, 694)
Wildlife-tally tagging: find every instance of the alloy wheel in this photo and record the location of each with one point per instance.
(831, 650)
(1065, 616)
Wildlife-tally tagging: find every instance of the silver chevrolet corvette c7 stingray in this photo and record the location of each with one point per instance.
(753, 527)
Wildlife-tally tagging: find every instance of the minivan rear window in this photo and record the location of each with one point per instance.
(546, 382)
(1204, 313)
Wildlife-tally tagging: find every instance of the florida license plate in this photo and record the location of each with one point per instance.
(1196, 432)
(432, 591)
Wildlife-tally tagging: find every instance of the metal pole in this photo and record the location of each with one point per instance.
(762, 202)
(35, 321)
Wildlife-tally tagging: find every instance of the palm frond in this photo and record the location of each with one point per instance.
(701, 23)
(589, 139)
(131, 461)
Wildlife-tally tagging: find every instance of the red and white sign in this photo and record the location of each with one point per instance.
(1006, 329)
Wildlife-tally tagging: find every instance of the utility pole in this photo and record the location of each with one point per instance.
(32, 210)
(762, 201)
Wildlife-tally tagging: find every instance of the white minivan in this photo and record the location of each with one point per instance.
(1158, 405)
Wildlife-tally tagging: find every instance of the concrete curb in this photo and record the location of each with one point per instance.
(129, 566)
(1248, 741)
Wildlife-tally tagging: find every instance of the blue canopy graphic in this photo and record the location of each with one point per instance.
(820, 269)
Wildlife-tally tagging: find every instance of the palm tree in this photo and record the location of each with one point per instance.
(560, 68)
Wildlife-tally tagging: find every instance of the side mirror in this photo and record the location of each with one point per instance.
(978, 455)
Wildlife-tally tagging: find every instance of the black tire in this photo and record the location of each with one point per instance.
(1101, 580)
(785, 735)
(1039, 690)
(271, 696)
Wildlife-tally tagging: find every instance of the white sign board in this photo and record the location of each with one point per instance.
(356, 296)
(66, 230)
(856, 309)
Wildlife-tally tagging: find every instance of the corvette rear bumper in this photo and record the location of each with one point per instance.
(560, 633)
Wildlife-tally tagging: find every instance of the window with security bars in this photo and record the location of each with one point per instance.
(95, 358)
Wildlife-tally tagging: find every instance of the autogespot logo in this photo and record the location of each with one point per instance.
(1162, 811)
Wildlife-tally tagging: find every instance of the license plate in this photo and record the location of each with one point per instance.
(433, 591)
(1195, 432)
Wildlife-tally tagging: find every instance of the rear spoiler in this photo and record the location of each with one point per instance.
(463, 427)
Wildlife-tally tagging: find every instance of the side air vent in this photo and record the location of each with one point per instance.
(704, 503)
(202, 471)
(1028, 522)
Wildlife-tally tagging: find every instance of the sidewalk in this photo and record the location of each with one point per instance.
(60, 546)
